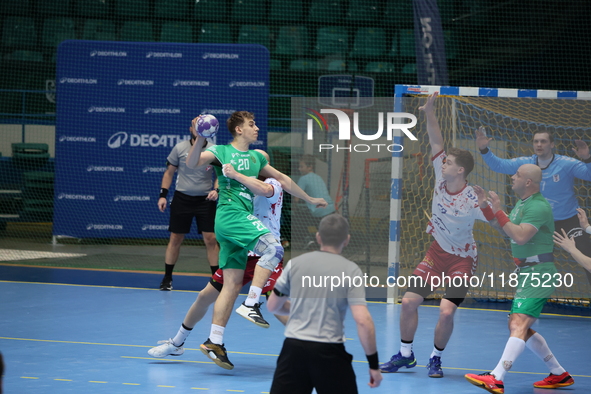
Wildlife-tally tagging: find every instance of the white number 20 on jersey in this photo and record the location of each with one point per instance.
(243, 164)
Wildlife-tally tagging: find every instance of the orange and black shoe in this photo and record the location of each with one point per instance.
(555, 381)
(217, 353)
(486, 381)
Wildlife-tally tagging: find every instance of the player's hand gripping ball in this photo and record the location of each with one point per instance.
(207, 126)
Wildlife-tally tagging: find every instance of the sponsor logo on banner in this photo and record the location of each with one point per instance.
(108, 53)
(107, 109)
(220, 56)
(190, 83)
(153, 169)
(117, 140)
(50, 90)
(131, 198)
(145, 140)
(84, 81)
(218, 111)
(162, 55)
(104, 169)
(162, 111)
(135, 82)
(246, 84)
(344, 126)
(155, 227)
(68, 138)
(104, 227)
(67, 196)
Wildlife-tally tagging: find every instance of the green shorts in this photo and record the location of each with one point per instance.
(237, 232)
(536, 285)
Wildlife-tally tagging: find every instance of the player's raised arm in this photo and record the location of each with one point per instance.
(291, 187)
(568, 244)
(581, 149)
(196, 156)
(435, 136)
(487, 210)
(583, 220)
(482, 139)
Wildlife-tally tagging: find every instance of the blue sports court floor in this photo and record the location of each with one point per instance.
(85, 338)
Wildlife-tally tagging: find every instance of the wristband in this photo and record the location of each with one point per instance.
(484, 151)
(488, 212)
(217, 190)
(588, 160)
(163, 193)
(502, 218)
(588, 230)
(372, 359)
(278, 293)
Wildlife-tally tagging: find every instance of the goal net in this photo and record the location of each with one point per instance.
(511, 122)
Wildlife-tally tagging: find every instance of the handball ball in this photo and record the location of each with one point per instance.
(207, 126)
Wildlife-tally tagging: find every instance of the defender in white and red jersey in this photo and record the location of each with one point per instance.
(268, 211)
(452, 253)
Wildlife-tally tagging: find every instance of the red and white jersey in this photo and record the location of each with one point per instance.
(268, 209)
(453, 215)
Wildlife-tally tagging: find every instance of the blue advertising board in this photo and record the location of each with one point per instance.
(121, 108)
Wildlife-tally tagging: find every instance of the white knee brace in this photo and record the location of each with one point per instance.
(270, 250)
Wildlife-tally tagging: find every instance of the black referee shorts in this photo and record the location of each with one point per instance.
(184, 208)
(305, 365)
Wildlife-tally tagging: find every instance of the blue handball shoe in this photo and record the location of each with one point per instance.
(397, 362)
(434, 367)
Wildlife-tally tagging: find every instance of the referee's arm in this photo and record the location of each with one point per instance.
(365, 328)
(278, 303)
(367, 335)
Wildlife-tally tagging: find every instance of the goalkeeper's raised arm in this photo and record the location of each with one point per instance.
(435, 136)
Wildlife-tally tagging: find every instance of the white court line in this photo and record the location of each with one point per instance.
(14, 255)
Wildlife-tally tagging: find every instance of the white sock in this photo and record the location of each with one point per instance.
(253, 296)
(216, 334)
(436, 352)
(513, 349)
(405, 349)
(181, 336)
(537, 344)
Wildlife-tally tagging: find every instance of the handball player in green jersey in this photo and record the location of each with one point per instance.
(530, 225)
(237, 229)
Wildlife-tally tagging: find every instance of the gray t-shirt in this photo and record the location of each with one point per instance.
(318, 312)
(192, 182)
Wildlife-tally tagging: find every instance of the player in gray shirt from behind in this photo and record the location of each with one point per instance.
(321, 286)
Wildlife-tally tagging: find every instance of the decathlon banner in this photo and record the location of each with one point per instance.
(122, 107)
(430, 47)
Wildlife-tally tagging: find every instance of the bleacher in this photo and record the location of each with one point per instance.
(299, 34)
(311, 37)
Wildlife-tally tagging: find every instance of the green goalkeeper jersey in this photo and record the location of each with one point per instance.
(233, 193)
(536, 211)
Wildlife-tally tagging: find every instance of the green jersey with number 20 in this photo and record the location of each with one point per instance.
(249, 163)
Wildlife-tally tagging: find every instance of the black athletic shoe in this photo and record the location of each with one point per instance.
(217, 353)
(253, 314)
(166, 284)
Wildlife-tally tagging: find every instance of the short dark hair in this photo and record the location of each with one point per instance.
(333, 230)
(463, 159)
(237, 119)
(544, 132)
(308, 160)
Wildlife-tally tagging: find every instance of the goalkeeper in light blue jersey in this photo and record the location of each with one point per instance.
(558, 177)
